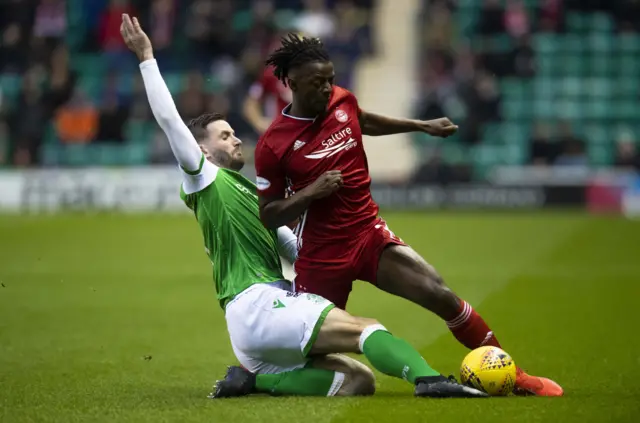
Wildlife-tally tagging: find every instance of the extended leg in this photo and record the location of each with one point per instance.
(403, 272)
(342, 332)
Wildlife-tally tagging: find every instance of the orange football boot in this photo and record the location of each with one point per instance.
(534, 385)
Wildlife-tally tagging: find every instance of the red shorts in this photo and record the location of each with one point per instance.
(329, 270)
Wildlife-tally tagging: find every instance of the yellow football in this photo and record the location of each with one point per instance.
(489, 369)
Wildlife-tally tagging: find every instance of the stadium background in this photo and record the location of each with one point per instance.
(109, 316)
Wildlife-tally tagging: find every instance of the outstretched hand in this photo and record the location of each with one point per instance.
(135, 38)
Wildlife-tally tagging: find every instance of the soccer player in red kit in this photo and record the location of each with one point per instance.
(314, 149)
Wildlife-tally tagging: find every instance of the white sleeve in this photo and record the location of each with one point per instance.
(198, 173)
(287, 244)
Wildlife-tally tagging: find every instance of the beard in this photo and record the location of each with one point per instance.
(226, 160)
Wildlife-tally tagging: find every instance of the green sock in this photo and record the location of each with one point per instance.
(395, 357)
(303, 382)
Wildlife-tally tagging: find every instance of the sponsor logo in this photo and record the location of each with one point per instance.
(298, 144)
(331, 151)
(339, 141)
(341, 116)
(262, 183)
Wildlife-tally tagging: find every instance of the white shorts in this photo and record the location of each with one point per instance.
(272, 329)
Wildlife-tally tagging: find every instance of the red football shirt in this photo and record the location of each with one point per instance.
(294, 152)
(272, 92)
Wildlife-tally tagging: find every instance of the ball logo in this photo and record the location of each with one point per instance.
(341, 115)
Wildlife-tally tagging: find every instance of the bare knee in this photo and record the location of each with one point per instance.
(341, 333)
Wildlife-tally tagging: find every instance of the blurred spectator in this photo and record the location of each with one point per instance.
(573, 154)
(345, 48)
(50, 22)
(572, 149)
(111, 43)
(161, 23)
(266, 98)
(29, 118)
(482, 100)
(62, 80)
(4, 143)
(627, 155)
(551, 15)
(628, 14)
(516, 20)
(543, 149)
(439, 29)
(315, 20)
(13, 56)
(109, 26)
(113, 113)
(209, 31)
(491, 18)
(77, 120)
(522, 58)
(191, 102)
(111, 120)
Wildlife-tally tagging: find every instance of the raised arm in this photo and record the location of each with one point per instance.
(375, 125)
(183, 144)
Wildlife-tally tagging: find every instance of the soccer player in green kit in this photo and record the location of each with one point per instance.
(287, 343)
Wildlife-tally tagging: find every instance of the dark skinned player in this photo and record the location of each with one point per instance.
(314, 150)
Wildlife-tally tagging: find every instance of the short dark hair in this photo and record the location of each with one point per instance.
(198, 126)
(296, 51)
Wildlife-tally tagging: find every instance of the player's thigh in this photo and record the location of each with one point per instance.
(340, 333)
(359, 379)
(333, 283)
(403, 272)
(274, 327)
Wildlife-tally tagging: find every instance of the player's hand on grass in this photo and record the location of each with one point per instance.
(328, 183)
(442, 127)
(135, 38)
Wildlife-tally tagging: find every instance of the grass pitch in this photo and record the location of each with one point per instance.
(112, 318)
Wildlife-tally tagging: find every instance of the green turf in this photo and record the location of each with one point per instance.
(84, 299)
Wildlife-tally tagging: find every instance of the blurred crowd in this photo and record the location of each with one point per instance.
(470, 46)
(67, 78)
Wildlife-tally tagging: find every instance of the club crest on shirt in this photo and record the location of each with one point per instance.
(341, 116)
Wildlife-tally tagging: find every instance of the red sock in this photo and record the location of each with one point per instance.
(471, 330)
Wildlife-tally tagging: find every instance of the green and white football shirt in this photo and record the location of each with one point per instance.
(243, 252)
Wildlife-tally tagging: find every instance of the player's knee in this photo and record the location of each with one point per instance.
(359, 381)
(361, 328)
(364, 322)
(432, 283)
